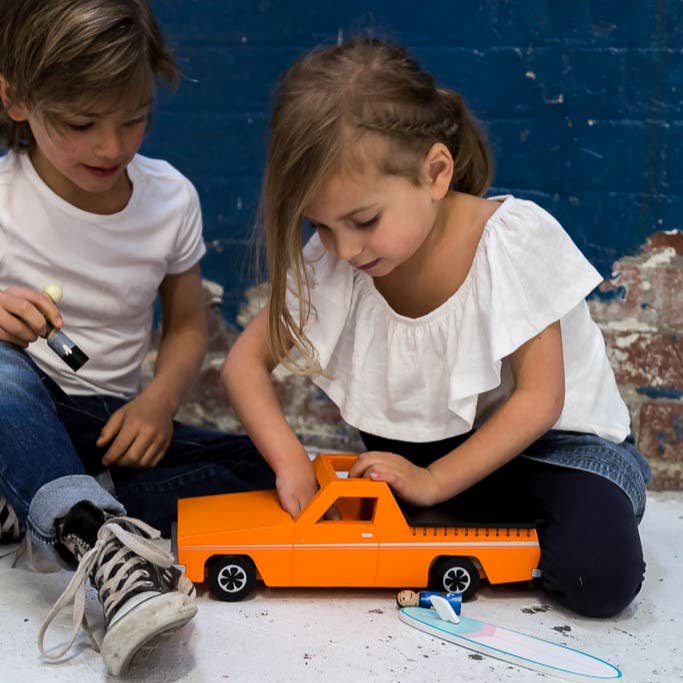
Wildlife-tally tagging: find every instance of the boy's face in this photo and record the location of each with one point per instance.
(84, 157)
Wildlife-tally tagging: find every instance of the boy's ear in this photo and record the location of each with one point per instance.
(17, 112)
(439, 170)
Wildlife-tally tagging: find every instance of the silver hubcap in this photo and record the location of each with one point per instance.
(456, 579)
(232, 578)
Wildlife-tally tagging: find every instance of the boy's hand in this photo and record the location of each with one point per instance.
(25, 315)
(415, 485)
(139, 434)
(296, 486)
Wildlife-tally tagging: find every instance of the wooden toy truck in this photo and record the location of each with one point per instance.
(232, 540)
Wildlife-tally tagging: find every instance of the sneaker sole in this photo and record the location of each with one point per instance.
(144, 628)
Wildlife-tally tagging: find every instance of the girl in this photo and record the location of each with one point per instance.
(450, 329)
(80, 207)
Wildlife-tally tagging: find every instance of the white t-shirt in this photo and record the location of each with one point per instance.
(109, 267)
(428, 378)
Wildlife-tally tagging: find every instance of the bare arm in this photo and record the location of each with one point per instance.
(141, 430)
(246, 377)
(183, 337)
(533, 407)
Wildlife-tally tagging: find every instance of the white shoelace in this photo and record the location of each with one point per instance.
(114, 578)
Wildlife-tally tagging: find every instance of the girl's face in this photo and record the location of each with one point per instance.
(375, 221)
(84, 158)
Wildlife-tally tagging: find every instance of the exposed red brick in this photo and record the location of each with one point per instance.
(668, 295)
(630, 277)
(666, 476)
(661, 431)
(665, 239)
(644, 359)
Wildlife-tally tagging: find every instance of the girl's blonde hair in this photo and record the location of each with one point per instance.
(325, 103)
(58, 53)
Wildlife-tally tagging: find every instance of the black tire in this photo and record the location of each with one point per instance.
(231, 577)
(455, 574)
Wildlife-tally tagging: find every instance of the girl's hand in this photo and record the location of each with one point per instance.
(415, 485)
(25, 315)
(139, 432)
(296, 486)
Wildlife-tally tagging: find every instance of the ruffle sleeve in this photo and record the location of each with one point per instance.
(527, 274)
(421, 379)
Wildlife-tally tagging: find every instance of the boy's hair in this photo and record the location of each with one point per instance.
(58, 53)
(326, 102)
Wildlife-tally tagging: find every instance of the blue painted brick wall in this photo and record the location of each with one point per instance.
(582, 101)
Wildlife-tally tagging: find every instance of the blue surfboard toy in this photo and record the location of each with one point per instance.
(511, 646)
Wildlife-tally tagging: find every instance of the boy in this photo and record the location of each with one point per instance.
(80, 207)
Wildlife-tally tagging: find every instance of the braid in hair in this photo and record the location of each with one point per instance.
(393, 97)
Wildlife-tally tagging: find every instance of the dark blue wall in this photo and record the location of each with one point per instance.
(582, 101)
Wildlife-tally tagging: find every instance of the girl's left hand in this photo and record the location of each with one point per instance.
(139, 432)
(415, 485)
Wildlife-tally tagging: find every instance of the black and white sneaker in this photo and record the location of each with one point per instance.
(145, 597)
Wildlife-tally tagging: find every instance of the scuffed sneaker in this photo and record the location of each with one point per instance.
(144, 596)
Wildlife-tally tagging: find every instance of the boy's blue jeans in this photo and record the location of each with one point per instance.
(49, 461)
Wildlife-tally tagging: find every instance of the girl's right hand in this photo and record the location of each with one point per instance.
(296, 486)
(25, 315)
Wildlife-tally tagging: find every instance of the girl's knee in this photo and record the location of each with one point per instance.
(597, 586)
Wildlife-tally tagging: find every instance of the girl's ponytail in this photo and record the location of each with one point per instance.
(472, 167)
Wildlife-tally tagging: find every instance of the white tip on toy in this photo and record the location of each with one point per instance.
(54, 292)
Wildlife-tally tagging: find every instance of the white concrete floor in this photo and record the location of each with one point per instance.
(355, 635)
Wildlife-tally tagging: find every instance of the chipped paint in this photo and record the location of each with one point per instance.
(660, 392)
(660, 258)
(624, 342)
(612, 294)
(628, 324)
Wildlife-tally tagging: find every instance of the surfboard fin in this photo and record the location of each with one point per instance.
(444, 609)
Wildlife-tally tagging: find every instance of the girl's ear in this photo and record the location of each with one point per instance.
(438, 165)
(17, 112)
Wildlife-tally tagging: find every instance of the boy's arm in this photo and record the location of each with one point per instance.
(246, 377)
(532, 409)
(140, 432)
(183, 337)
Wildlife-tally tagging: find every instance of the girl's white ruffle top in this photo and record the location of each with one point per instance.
(439, 375)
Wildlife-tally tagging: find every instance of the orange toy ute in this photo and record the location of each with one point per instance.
(233, 539)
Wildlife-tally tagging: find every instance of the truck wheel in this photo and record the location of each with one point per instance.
(455, 574)
(231, 577)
